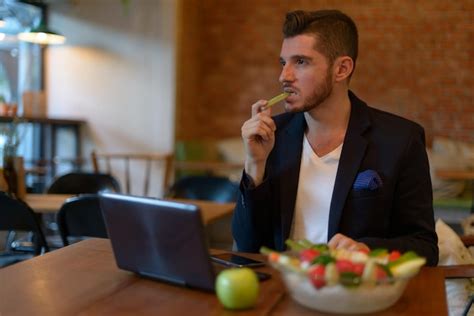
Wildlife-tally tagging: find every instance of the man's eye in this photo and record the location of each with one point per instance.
(300, 61)
(282, 62)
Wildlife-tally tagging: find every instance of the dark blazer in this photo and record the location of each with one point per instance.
(398, 215)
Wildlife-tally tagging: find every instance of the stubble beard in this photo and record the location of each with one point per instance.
(319, 95)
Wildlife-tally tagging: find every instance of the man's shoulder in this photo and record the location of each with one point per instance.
(392, 121)
(393, 129)
(384, 120)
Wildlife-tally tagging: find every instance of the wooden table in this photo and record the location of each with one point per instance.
(210, 211)
(83, 279)
(464, 175)
(209, 167)
(455, 174)
(51, 203)
(46, 203)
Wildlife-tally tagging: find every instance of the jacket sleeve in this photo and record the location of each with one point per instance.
(412, 224)
(251, 218)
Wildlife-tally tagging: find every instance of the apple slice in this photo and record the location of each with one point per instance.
(331, 274)
(370, 272)
(408, 268)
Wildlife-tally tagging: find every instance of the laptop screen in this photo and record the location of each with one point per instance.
(160, 239)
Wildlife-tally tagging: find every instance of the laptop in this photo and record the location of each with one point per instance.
(159, 239)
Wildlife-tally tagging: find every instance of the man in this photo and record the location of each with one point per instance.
(332, 169)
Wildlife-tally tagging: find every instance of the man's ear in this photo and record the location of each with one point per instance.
(343, 68)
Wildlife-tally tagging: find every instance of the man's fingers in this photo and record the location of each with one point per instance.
(257, 107)
(267, 120)
(253, 128)
(339, 241)
(335, 240)
(259, 122)
(264, 119)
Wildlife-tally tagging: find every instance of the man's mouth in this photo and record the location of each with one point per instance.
(291, 91)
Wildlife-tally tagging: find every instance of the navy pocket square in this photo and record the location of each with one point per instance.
(367, 180)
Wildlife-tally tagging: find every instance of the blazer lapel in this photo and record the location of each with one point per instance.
(292, 146)
(352, 154)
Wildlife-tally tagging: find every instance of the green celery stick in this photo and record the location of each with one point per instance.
(276, 99)
(294, 245)
(306, 243)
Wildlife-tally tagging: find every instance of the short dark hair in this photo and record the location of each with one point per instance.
(336, 32)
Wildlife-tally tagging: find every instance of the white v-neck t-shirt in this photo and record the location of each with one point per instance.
(313, 198)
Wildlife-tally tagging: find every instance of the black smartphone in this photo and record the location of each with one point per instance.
(232, 260)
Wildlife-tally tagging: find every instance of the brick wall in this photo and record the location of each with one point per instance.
(415, 60)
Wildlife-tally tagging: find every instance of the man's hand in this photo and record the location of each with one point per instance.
(342, 241)
(258, 134)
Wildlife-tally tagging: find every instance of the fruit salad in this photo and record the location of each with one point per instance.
(327, 267)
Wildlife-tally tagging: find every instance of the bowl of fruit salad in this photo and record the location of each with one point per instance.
(343, 281)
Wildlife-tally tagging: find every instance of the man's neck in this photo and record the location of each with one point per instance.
(327, 123)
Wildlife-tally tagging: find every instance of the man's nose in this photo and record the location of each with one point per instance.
(286, 74)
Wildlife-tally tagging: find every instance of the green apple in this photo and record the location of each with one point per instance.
(237, 288)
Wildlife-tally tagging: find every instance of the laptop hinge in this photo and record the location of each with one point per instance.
(163, 278)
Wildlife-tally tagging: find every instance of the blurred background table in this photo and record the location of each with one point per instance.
(46, 203)
(51, 203)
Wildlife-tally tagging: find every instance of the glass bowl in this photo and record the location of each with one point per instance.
(344, 281)
(365, 298)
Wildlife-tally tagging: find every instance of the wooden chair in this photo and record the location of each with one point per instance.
(115, 161)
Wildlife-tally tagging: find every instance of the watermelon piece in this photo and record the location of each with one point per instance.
(317, 275)
(394, 255)
(344, 265)
(358, 268)
(309, 254)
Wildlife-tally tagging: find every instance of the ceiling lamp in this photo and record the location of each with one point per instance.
(42, 35)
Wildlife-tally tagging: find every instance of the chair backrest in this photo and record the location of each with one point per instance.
(16, 215)
(211, 188)
(81, 182)
(81, 216)
(119, 164)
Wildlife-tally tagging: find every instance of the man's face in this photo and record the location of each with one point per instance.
(306, 74)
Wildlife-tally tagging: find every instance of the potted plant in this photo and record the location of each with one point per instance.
(11, 139)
